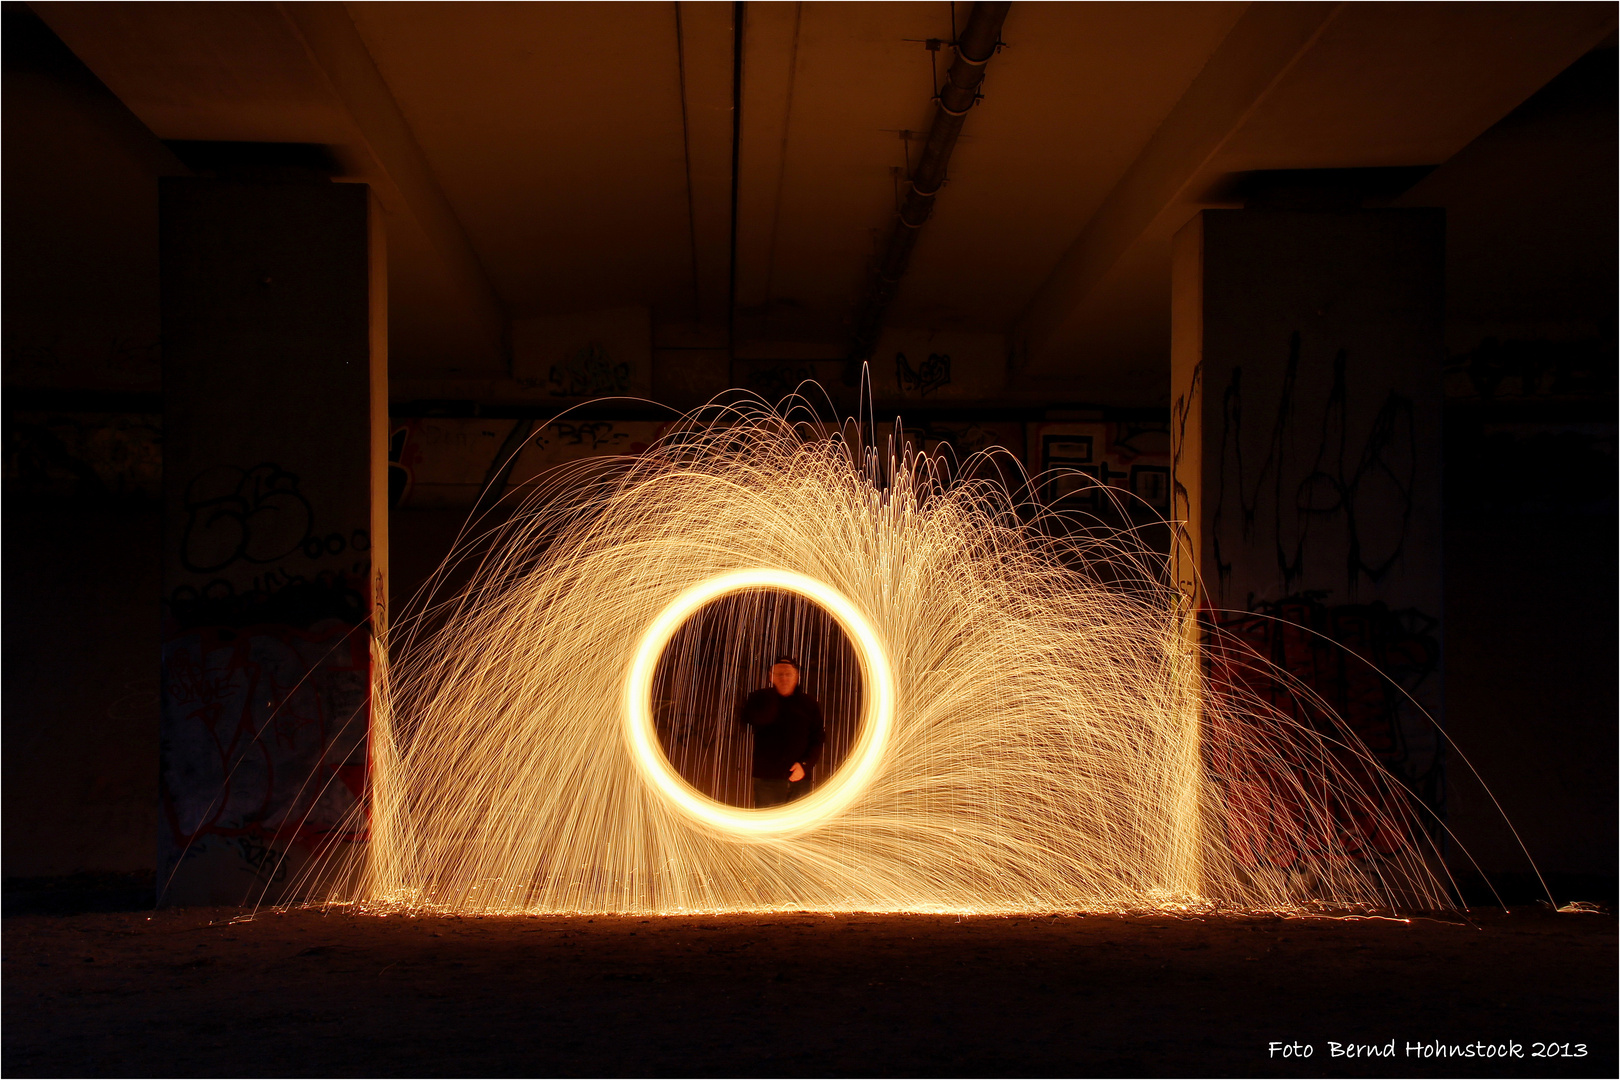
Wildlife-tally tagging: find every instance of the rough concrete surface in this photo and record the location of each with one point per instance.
(200, 992)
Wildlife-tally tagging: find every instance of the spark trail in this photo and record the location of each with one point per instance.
(1032, 721)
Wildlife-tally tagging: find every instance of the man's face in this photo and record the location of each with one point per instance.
(784, 677)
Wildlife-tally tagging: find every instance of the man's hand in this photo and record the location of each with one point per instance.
(796, 773)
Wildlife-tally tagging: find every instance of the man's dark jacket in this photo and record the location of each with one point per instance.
(786, 730)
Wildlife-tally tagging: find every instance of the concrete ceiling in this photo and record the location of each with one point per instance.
(546, 158)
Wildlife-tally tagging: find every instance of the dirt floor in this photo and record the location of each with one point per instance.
(198, 992)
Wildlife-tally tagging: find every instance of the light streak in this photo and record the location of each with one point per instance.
(1033, 729)
(847, 782)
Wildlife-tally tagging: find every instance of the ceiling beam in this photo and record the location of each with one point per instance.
(397, 167)
(973, 50)
(1299, 86)
(1267, 41)
(770, 64)
(300, 73)
(705, 33)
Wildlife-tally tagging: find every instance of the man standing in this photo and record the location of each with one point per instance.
(787, 735)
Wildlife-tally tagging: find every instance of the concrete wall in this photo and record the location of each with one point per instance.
(1530, 482)
(275, 528)
(82, 467)
(1308, 368)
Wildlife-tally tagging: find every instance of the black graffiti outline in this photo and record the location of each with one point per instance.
(1395, 418)
(929, 376)
(782, 377)
(598, 432)
(254, 488)
(259, 854)
(1135, 429)
(590, 372)
(400, 476)
(1180, 496)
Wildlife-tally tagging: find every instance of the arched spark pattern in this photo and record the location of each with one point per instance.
(1045, 753)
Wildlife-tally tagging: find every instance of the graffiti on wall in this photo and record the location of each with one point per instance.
(94, 455)
(1183, 471)
(257, 515)
(1311, 494)
(1320, 485)
(1354, 670)
(1529, 370)
(926, 377)
(442, 463)
(431, 459)
(1079, 461)
(988, 449)
(280, 595)
(775, 379)
(264, 742)
(250, 546)
(266, 670)
(399, 467)
(594, 434)
(589, 372)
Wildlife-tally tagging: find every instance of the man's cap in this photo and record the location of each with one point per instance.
(786, 660)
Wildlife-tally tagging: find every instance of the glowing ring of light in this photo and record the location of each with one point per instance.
(830, 798)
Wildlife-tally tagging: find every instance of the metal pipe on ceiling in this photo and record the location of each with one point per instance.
(974, 47)
(739, 16)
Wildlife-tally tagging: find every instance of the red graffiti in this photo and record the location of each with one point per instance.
(265, 734)
(1330, 775)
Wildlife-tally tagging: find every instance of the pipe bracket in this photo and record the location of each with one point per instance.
(966, 59)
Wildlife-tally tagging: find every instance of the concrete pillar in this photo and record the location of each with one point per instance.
(1307, 357)
(275, 528)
